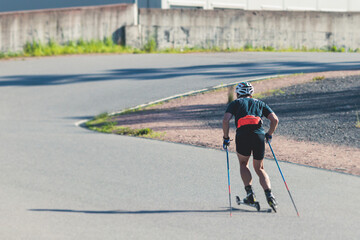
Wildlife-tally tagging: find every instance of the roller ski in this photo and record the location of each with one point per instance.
(271, 201)
(249, 201)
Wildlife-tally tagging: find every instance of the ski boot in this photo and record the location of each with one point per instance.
(250, 198)
(249, 201)
(271, 200)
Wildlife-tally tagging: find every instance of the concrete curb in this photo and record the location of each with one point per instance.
(195, 92)
(82, 122)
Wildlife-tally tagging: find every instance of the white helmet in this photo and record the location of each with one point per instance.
(244, 88)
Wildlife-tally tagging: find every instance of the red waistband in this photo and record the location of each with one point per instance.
(248, 120)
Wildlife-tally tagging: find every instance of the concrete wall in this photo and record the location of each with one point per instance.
(235, 28)
(176, 28)
(62, 25)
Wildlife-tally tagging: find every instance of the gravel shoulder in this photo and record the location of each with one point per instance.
(317, 119)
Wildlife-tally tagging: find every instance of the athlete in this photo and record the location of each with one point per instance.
(250, 138)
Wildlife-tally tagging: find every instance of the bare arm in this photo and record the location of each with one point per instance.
(225, 125)
(273, 123)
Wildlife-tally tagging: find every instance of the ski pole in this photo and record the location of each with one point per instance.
(228, 172)
(284, 179)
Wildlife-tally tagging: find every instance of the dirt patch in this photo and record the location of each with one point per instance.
(197, 120)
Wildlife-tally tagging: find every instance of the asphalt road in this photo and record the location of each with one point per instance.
(59, 181)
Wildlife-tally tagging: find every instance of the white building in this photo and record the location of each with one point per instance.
(285, 5)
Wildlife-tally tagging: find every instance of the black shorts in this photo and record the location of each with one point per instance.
(247, 142)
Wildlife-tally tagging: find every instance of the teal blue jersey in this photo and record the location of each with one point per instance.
(248, 113)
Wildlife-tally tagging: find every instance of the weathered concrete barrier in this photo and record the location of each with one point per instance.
(236, 28)
(178, 28)
(63, 25)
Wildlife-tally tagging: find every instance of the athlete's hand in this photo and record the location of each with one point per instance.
(226, 142)
(268, 137)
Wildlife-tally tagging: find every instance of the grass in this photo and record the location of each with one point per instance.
(357, 120)
(107, 127)
(36, 48)
(318, 78)
(103, 123)
(71, 47)
(142, 132)
(150, 46)
(98, 120)
(112, 127)
(138, 109)
(274, 92)
(39, 49)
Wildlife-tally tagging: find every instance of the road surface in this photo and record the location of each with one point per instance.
(59, 181)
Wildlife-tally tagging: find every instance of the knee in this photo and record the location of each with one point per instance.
(259, 170)
(244, 164)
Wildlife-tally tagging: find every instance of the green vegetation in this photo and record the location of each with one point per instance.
(131, 110)
(138, 109)
(107, 127)
(274, 92)
(10, 55)
(318, 78)
(358, 120)
(143, 132)
(111, 127)
(103, 123)
(150, 46)
(107, 45)
(98, 120)
(36, 49)
(79, 47)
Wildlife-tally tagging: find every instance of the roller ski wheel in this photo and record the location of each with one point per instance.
(254, 205)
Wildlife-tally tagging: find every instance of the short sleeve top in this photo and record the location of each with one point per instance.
(243, 107)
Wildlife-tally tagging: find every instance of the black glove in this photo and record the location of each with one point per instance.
(268, 137)
(226, 142)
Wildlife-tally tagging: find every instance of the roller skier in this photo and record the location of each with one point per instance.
(250, 138)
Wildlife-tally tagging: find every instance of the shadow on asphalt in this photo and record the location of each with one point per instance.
(145, 211)
(207, 113)
(214, 71)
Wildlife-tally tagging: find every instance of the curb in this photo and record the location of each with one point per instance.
(195, 92)
(81, 122)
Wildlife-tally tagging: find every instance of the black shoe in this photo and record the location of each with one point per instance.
(250, 198)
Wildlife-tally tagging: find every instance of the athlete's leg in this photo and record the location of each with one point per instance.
(258, 141)
(259, 152)
(265, 182)
(263, 176)
(244, 169)
(243, 150)
(246, 177)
